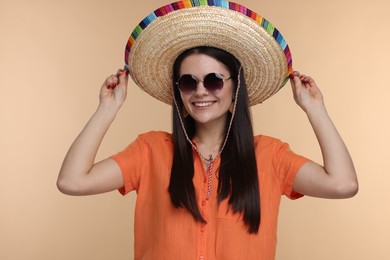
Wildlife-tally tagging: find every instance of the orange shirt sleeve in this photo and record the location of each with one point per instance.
(275, 157)
(287, 164)
(149, 155)
(128, 161)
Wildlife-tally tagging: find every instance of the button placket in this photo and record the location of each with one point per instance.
(203, 229)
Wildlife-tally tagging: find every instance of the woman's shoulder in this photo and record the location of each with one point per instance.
(269, 144)
(266, 141)
(155, 137)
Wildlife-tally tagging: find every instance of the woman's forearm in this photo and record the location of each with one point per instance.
(337, 161)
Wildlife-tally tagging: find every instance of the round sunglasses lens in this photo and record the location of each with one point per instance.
(187, 83)
(213, 82)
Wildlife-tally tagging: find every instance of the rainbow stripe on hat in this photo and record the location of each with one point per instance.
(217, 3)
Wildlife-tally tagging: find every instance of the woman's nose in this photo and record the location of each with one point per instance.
(200, 89)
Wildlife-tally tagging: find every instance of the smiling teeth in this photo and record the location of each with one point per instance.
(203, 104)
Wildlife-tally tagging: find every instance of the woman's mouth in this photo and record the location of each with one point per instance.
(203, 104)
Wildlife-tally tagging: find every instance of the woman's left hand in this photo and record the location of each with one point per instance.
(305, 90)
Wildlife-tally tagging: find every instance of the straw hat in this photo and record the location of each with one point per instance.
(164, 34)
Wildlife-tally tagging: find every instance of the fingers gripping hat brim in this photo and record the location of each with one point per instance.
(162, 36)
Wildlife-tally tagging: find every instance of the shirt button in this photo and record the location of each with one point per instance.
(202, 258)
(204, 180)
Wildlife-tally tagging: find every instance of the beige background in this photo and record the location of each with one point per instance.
(54, 55)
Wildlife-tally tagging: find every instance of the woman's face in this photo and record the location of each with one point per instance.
(207, 106)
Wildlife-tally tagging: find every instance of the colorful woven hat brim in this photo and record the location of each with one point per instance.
(163, 35)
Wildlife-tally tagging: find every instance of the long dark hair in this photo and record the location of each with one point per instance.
(238, 180)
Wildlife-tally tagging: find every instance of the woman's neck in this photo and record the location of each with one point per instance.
(209, 137)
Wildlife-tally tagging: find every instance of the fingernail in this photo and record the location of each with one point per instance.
(111, 86)
(291, 76)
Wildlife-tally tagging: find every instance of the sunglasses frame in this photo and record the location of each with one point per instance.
(216, 74)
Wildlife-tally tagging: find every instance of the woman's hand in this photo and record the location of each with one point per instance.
(114, 90)
(305, 90)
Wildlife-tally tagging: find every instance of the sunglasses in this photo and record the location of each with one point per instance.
(212, 82)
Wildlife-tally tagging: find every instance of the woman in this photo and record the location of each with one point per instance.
(209, 190)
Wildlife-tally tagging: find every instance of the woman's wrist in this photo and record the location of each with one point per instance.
(315, 111)
(107, 112)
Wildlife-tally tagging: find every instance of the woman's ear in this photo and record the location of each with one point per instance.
(185, 112)
(231, 108)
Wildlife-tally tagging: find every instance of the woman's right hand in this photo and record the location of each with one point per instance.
(114, 90)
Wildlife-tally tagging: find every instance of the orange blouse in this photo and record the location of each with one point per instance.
(164, 232)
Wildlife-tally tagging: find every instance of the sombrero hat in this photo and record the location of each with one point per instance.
(164, 34)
